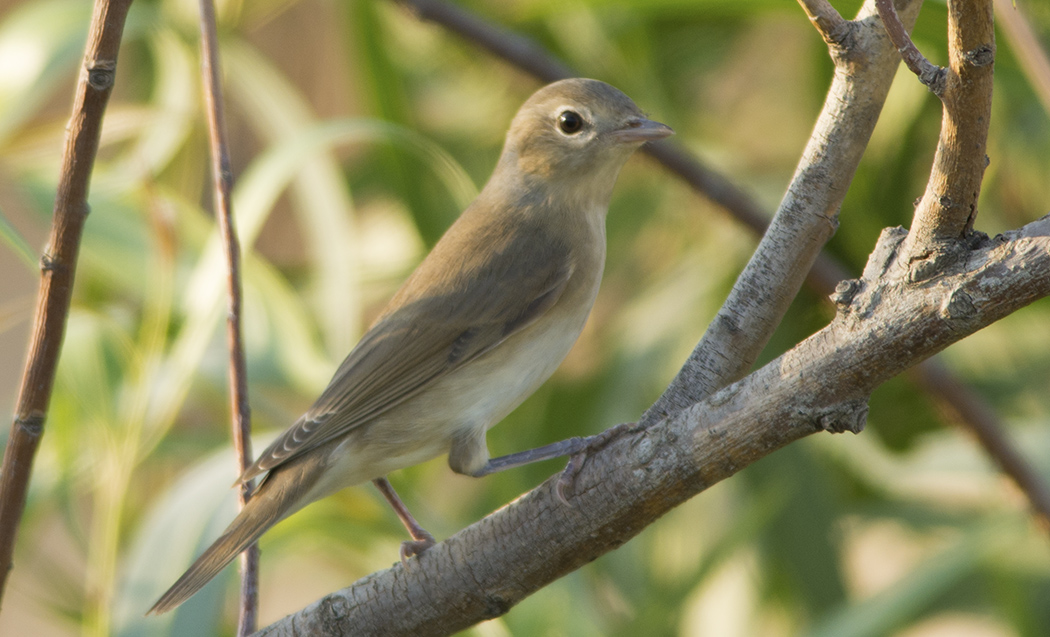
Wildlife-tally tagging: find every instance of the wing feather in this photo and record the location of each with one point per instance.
(435, 324)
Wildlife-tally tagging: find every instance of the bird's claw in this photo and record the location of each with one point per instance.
(417, 546)
(576, 461)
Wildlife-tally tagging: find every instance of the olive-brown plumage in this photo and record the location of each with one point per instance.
(480, 324)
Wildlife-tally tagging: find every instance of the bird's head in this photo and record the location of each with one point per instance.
(576, 133)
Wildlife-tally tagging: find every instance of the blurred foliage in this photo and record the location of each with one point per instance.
(359, 134)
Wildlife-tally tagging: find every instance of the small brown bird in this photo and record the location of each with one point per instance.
(481, 323)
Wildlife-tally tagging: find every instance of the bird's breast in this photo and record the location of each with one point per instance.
(481, 392)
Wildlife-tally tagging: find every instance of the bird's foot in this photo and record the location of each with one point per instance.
(417, 546)
(591, 444)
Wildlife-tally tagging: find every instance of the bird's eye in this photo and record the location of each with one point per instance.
(570, 122)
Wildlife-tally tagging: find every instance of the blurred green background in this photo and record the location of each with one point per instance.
(358, 134)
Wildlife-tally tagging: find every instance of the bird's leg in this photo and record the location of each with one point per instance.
(594, 443)
(421, 539)
(576, 448)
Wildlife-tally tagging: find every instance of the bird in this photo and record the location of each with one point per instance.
(484, 319)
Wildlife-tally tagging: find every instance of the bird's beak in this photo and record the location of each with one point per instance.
(640, 129)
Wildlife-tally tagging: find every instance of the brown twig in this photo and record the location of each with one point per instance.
(829, 23)
(58, 267)
(967, 408)
(948, 208)
(238, 374)
(928, 73)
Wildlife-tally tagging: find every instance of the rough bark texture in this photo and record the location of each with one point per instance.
(970, 411)
(949, 205)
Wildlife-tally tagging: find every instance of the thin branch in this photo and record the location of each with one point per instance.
(829, 23)
(948, 208)
(714, 186)
(928, 73)
(821, 384)
(58, 267)
(238, 374)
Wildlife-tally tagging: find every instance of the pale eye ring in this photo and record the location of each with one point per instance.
(570, 122)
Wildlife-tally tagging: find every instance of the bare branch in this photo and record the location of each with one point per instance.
(806, 219)
(831, 26)
(238, 374)
(58, 266)
(928, 73)
(948, 208)
(822, 384)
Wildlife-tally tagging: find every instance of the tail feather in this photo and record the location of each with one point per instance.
(280, 495)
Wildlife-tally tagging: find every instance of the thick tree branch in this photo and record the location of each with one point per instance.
(949, 206)
(58, 266)
(806, 219)
(888, 324)
(222, 177)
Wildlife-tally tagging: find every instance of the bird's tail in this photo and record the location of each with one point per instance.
(281, 494)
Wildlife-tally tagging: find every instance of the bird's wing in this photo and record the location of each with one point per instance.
(425, 337)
